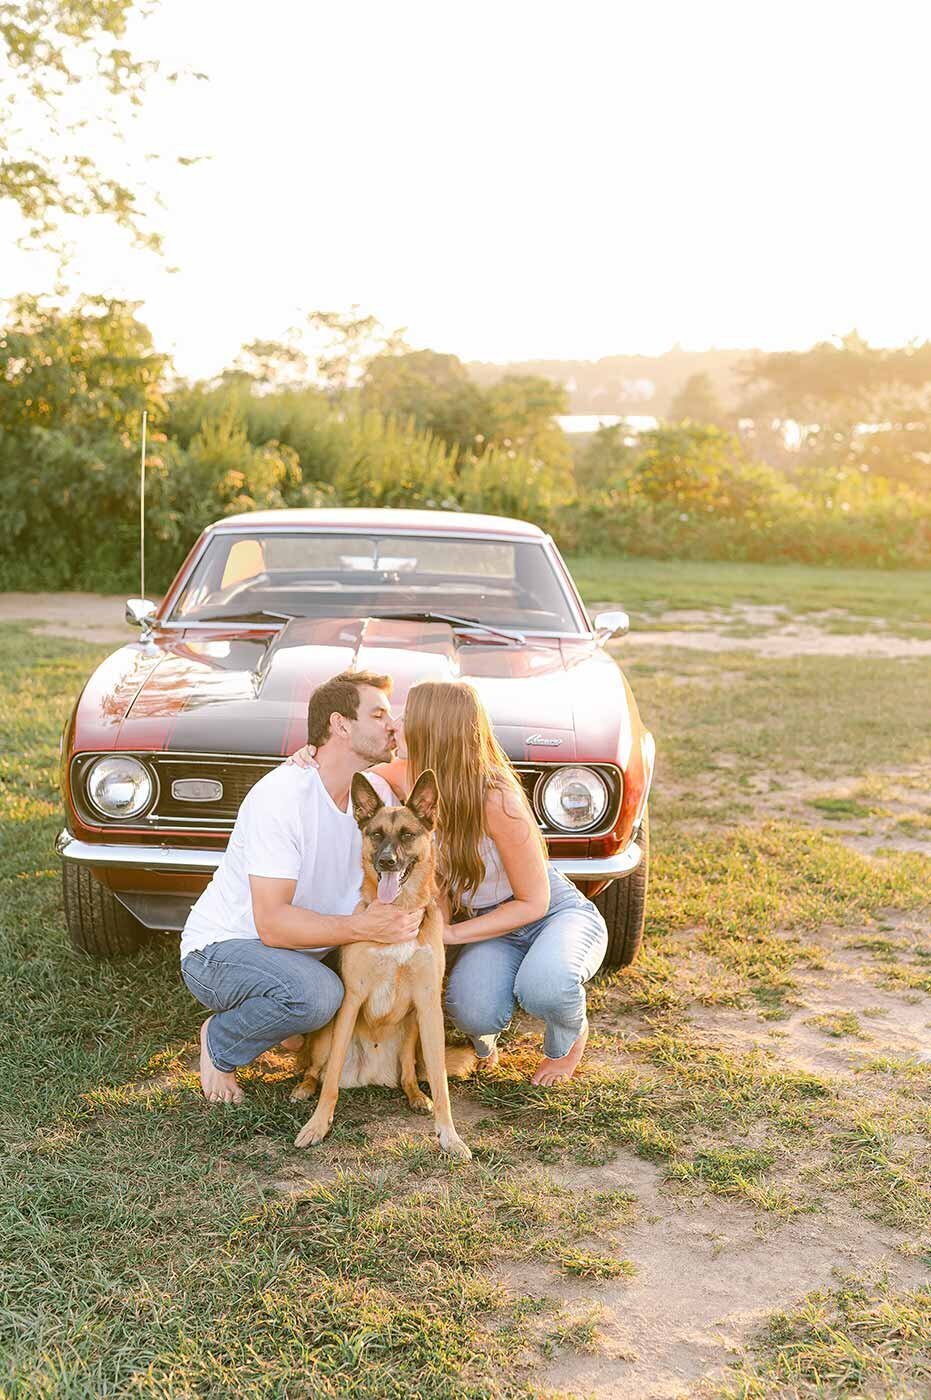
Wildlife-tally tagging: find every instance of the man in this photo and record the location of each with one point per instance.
(285, 890)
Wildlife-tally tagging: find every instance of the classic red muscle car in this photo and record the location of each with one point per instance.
(172, 730)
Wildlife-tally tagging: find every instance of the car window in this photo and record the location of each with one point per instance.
(502, 583)
(245, 560)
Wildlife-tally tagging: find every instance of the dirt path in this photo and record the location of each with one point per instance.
(87, 617)
(774, 632)
(98, 617)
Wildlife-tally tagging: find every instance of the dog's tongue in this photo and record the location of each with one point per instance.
(388, 886)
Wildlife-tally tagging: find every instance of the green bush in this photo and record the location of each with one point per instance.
(689, 492)
(73, 385)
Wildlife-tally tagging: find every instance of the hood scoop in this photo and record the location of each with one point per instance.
(366, 644)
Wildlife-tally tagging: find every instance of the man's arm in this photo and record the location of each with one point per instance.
(281, 924)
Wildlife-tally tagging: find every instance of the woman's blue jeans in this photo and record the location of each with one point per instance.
(543, 967)
(259, 996)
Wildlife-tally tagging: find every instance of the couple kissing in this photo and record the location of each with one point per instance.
(257, 945)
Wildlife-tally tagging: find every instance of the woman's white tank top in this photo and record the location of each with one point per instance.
(495, 886)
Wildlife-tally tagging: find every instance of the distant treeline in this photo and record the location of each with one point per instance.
(629, 384)
(396, 427)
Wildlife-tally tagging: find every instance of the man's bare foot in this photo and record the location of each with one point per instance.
(293, 1042)
(218, 1087)
(489, 1061)
(552, 1071)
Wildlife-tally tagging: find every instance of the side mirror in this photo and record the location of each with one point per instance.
(140, 612)
(611, 624)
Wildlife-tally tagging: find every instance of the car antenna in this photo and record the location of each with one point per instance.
(145, 417)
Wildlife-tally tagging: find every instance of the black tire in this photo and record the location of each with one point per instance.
(97, 922)
(623, 905)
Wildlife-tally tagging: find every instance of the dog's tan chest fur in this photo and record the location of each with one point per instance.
(399, 952)
(385, 1000)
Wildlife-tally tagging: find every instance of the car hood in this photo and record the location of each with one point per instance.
(247, 692)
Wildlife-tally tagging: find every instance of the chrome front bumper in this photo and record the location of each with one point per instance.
(182, 860)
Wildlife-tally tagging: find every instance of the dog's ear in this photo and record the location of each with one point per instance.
(424, 799)
(365, 800)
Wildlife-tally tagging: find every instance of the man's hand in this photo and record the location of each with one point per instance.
(382, 923)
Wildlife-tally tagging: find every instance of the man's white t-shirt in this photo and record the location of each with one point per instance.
(288, 828)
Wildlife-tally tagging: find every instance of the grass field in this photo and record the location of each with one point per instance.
(733, 1200)
(650, 585)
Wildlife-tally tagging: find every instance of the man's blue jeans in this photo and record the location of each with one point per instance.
(258, 996)
(543, 966)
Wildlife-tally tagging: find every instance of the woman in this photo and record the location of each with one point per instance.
(524, 933)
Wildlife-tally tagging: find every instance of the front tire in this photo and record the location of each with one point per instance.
(97, 922)
(623, 907)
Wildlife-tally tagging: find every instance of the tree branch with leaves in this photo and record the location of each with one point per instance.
(69, 84)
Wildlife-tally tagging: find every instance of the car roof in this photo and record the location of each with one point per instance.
(427, 521)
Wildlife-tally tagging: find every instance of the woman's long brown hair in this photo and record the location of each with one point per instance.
(447, 728)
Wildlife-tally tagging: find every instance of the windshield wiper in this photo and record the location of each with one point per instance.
(470, 623)
(259, 615)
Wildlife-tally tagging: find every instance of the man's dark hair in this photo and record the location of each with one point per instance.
(339, 696)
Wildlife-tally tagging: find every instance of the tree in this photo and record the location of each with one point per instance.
(73, 385)
(47, 48)
(88, 371)
(270, 364)
(351, 342)
(698, 402)
(694, 470)
(434, 390)
(522, 418)
(606, 459)
(856, 406)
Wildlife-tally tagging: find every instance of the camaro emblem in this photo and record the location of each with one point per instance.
(539, 740)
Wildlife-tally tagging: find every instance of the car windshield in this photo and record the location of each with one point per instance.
(267, 576)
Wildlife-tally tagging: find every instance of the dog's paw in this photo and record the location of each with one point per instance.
(451, 1143)
(419, 1102)
(312, 1133)
(305, 1090)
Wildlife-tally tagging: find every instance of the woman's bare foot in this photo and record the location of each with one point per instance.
(218, 1087)
(489, 1061)
(293, 1042)
(552, 1071)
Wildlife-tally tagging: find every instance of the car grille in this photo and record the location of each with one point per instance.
(239, 775)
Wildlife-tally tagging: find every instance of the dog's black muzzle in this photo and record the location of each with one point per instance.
(389, 862)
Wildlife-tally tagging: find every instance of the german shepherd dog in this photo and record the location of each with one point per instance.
(393, 995)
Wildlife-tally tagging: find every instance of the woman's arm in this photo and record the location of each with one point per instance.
(508, 825)
(394, 773)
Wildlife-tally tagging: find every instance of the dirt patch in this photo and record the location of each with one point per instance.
(773, 632)
(793, 639)
(86, 617)
(843, 1020)
(711, 1272)
(886, 810)
(709, 1275)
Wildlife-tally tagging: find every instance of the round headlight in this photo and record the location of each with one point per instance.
(574, 798)
(119, 786)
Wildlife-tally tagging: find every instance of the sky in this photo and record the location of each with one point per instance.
(525, 178)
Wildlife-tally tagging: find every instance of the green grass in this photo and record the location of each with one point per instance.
(652, 585)
(842, 717)
(840, 808)
(839, 1025)
(863, 1338)
(156, 1248)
